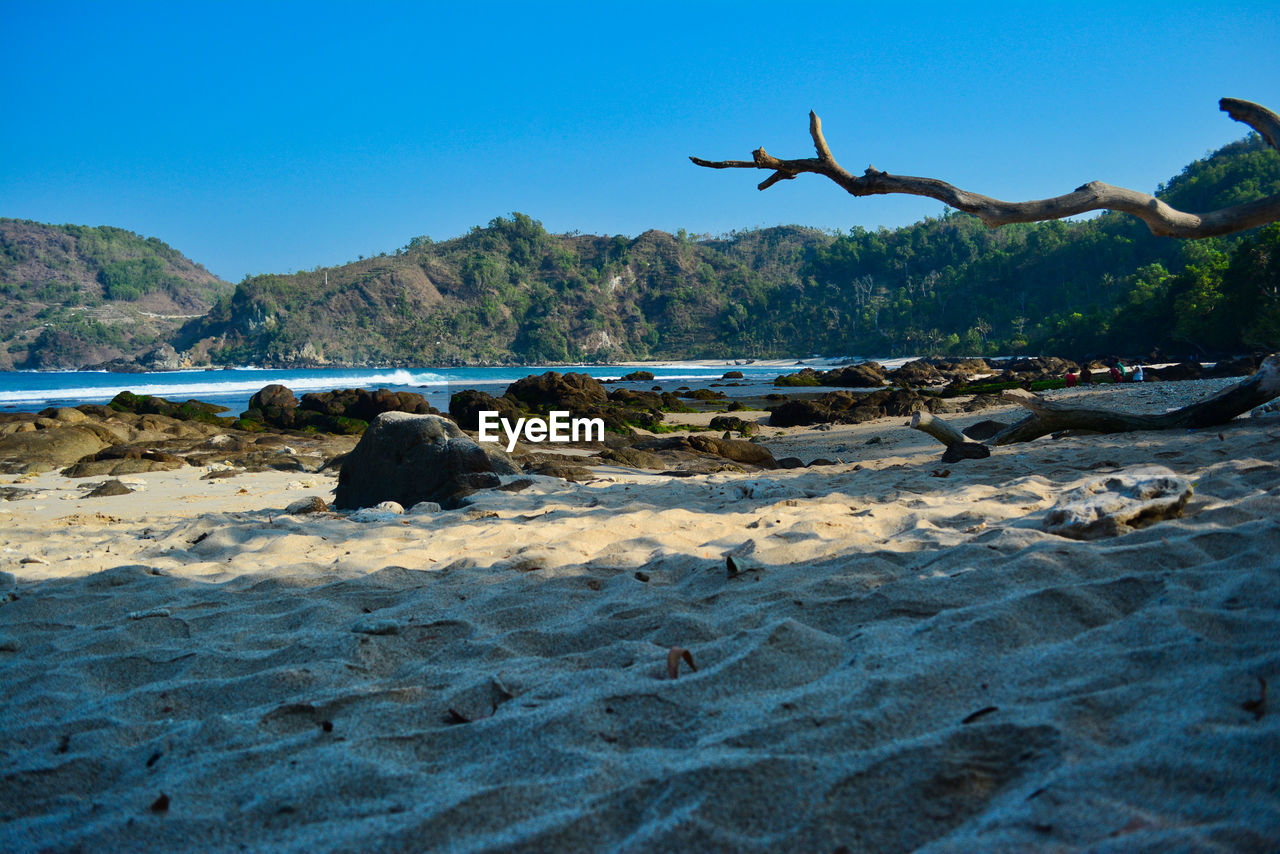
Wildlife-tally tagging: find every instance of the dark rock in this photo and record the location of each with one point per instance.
(732, 375)
(965, 451)
(410, 458)
(865, 375)
(15, 493)
(705, 395)
(637, 399)
(274, 396)
(822, 461)
(984, 430)
(918, 372)
(641, 376)
(1241, 367)
(790, 463)
(552, 390)
(363, 405)
(805, 377)
(1172, 373)
(191, 410)
(465, 408)
(800, 413)
(981, 401)
(730, 422)
(1040, 368)
(736, 450)
(109, 488)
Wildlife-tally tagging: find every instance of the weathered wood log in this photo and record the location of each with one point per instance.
(1160, 218)
(1052, 416)
(959, 446)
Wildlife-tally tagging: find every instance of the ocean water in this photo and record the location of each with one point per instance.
(31, 391)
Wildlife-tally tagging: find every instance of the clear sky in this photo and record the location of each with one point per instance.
(276, 136)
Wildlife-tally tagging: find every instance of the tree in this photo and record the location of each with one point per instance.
(1160, 217)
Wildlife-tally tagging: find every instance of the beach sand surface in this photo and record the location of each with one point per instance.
(904, 658)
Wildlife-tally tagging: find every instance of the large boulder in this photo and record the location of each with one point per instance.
(409, 458)
(364, 405)
(542, 393)
(47, 449)
(465, 408)
(864, 375)
(918, 372)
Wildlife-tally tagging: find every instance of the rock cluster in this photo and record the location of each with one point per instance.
(580, 394)
(845, 407)
(347, 411)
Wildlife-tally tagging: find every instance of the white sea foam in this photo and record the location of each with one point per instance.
(160, 386)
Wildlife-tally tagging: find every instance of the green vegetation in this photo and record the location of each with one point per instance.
(76, 294)
(510, 292)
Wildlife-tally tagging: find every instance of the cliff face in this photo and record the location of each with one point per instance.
(75, 295)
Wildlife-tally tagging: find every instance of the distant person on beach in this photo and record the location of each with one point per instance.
(1116, 376)
(1137, 374)
(1071, 379)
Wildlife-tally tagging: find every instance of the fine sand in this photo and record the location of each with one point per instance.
(904, 658)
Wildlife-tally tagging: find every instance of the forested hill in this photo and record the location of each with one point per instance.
(512, 292)
(74, 295)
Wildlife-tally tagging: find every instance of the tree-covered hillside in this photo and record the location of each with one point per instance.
(75, 295)
(512, 292)
(1105, 284)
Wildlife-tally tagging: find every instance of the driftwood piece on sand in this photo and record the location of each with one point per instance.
(1051, 416)
(1160, 217)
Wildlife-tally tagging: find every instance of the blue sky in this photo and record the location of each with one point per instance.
(277, 136)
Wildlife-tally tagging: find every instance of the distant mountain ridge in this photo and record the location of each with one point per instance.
(75, 295)
(510, 292)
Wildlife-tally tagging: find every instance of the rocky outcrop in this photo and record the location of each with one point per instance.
(410, 458)
(735, 450)
(52, 447)
(844, 407)
(577, 393)
(344, 411)
(191, 410)
(465, 408)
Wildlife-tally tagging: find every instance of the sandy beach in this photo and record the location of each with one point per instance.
(901, 657)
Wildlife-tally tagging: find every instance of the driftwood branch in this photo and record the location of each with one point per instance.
(1160, 218)
(1052, 416)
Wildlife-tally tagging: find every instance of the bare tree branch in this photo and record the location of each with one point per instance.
(1160, 218)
